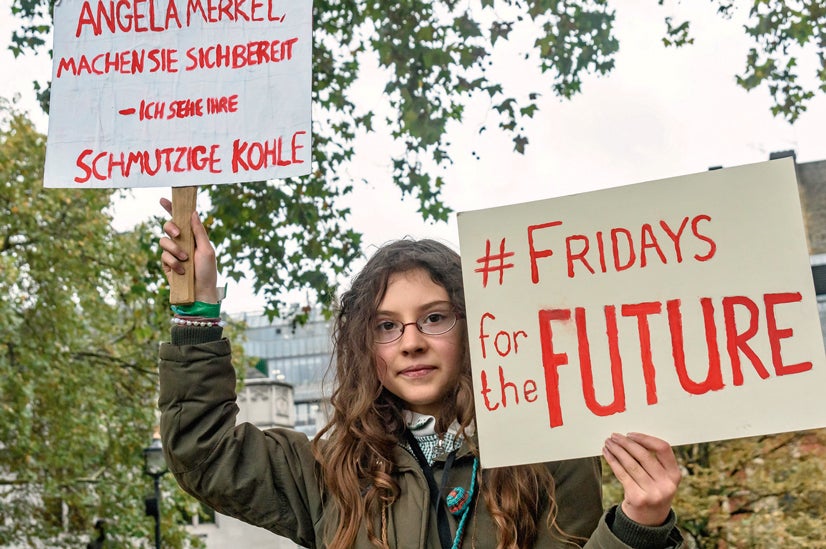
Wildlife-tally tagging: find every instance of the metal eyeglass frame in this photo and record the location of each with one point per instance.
(403, 325)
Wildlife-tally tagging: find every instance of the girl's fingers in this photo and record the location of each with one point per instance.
(662, 451)
(171, 229)
(171, 247)
(636, 461)
(649, 474)
(645, 457)
(166, 204)
(170, 263)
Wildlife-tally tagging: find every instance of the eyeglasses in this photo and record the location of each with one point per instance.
(432, 323)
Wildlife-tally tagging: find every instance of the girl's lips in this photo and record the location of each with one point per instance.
(417, 371)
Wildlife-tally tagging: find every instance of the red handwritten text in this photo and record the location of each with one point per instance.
(528, 391)
(619, 248)
(227, 103)
(735, 337)
(503, 341)
(103, 165)
(140, 61)
(125, 62)
(184, 108)
(237, 56)
(144, 16)
(256, 155)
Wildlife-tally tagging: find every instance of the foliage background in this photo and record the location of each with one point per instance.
(81, 314)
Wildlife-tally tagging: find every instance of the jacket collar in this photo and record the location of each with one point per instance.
(406, 462)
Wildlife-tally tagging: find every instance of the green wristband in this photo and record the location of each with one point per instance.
(199, 308)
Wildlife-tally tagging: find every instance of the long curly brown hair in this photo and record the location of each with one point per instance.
(366, 425)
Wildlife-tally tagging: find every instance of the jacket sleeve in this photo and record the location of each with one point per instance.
(266, 478)
(667, 536)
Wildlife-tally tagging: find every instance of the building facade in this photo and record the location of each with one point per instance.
(296, 354)
(811, 181)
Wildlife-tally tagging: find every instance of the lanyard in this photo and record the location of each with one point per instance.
(435, 491)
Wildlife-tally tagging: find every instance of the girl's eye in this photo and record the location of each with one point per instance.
(434, 318)
(386, 326)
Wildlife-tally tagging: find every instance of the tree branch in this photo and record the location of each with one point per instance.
(115, 360)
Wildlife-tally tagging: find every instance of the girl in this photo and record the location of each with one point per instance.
(397, 466)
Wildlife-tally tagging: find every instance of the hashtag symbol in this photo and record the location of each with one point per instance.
(489, 258)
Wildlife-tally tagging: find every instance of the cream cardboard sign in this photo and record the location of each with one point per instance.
(683, 308)
(179, 92)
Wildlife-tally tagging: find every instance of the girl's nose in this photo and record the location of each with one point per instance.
(412, 339)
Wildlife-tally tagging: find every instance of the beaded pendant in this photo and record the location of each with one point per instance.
(457, 503)
(456, 500)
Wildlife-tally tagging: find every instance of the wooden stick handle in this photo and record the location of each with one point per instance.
(182, 287)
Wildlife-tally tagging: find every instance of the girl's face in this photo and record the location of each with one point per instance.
(420, 369)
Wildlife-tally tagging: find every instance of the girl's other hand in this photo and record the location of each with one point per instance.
(648, 471)
(174, 257)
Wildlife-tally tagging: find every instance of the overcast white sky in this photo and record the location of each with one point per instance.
(660, 113)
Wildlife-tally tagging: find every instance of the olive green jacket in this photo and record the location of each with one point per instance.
(271, 479)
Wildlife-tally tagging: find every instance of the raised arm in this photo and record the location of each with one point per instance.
(267, 478)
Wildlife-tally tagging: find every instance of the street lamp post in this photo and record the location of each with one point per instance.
(154, 465)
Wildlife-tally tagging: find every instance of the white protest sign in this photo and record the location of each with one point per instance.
(683, 308)
(179, 92)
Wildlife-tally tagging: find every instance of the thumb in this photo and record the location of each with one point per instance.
(199, 232)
